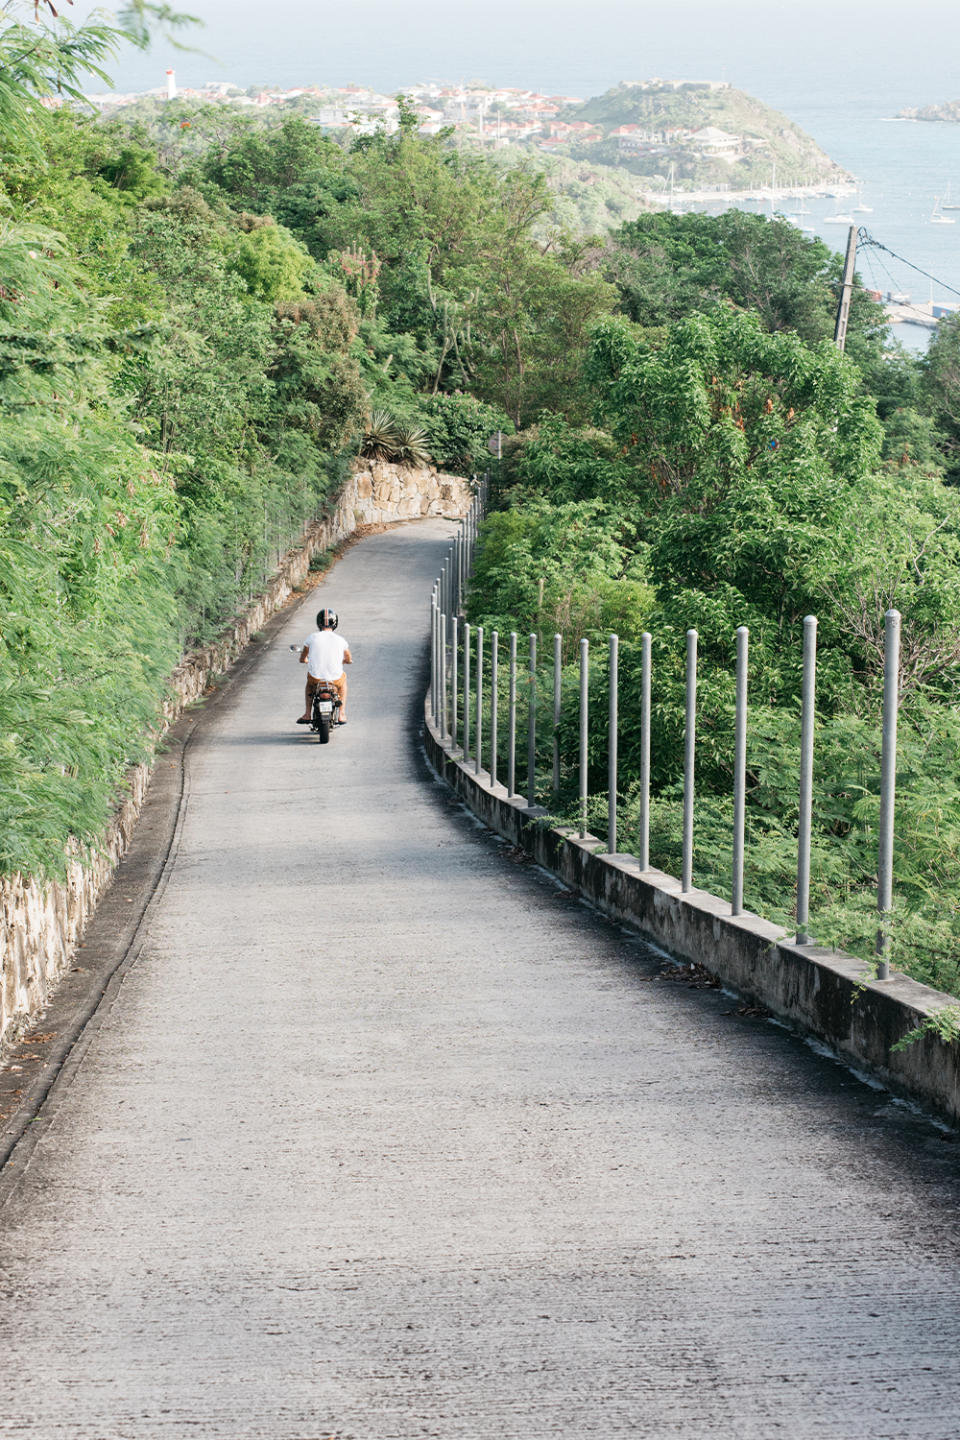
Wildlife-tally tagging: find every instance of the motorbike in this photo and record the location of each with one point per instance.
(324, 709)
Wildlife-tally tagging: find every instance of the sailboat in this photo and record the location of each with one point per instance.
(937, 219)
(860, 208)
(949, 204)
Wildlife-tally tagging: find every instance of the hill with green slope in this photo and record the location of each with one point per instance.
(711, 133)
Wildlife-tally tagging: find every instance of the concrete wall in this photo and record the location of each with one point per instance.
(41, 923)
(821, 992)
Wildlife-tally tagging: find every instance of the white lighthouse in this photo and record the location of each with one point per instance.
(171, 85)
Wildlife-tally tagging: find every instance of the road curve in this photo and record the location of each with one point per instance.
(384, 1136)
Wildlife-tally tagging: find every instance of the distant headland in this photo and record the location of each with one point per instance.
(948, 110)
(692, 138)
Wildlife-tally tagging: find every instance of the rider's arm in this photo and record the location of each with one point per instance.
(303, 654)
(347, 658)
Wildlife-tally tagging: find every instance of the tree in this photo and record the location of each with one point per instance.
(52, 58)
(667, 266)
(719, 398)
(941, 388)
(272, 264)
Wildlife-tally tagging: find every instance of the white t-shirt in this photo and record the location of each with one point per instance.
(325, 654)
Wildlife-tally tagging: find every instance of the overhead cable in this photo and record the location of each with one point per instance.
(864, 238)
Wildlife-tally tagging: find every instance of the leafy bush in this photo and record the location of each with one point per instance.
(566, 462)
(457, 428)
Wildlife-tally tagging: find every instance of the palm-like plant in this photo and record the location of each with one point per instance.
(380, 437)
(411, 446)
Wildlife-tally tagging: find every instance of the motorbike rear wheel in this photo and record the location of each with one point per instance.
(323, 726)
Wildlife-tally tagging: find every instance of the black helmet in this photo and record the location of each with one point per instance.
(327, 620)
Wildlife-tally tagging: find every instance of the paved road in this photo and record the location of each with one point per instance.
(384, 1136)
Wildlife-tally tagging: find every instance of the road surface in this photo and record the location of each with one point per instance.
(384, 1136)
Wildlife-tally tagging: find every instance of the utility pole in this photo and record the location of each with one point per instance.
(843, 309)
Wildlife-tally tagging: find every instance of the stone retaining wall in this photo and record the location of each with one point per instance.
(41, 923)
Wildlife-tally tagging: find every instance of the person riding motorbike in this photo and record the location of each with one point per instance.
(325, 654)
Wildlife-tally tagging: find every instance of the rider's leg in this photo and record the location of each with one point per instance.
(341, 689)
(308, 697)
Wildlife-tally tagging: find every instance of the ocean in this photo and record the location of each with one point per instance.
(841, 73)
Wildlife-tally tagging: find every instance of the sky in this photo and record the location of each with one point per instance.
(775, 50)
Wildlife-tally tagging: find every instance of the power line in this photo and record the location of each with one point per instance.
(865, 239)
(924, 316)
(891, 283)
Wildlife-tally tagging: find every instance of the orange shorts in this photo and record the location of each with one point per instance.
(340, 685)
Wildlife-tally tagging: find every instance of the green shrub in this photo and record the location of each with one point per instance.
(457, 428)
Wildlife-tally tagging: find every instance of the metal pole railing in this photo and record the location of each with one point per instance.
(478, 728)
(557, 677)
(643, 848)
(532, 724)
(466, 690)
(454, 647)
(888, 785)
(805, 825)
(584, 725)
(494, 703)
(739, 769)
(689, 760)
(612, 745)
(512, 719)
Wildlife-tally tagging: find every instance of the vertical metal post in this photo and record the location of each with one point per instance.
(804, 828)
(433, 657)
(532, 725)
(454, 647)
(466, 690)
(444, 729)
(584, 726)
(437, 716)
(739, 769)
(512, 719)
(494, 703)
(557, 674)
(644, 847)
(478, 741)
(888, 785)
(689, 761)
(613, 745)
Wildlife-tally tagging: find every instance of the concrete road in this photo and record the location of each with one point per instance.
(384, 1136)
